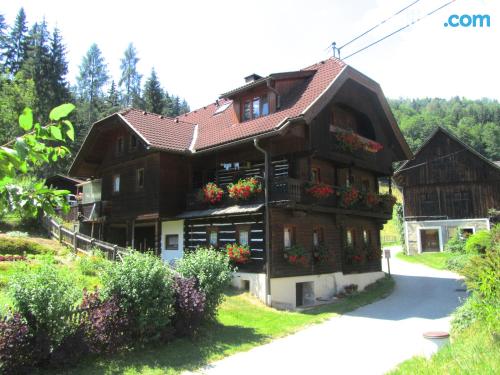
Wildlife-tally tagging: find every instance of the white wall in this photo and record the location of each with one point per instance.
(172, 227)
(257, 283)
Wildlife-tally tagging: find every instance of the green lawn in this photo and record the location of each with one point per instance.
(243, 323)
(475, 351)
(433, 260)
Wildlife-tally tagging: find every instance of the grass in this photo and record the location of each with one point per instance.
(474, 351)
(433, 260)
(243, 323)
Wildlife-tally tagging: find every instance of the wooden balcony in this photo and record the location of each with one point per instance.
(94, 211)
(291, 193)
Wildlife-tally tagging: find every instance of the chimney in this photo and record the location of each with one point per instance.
(252, 78)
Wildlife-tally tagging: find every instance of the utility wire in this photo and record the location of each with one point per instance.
(379, 24)
(429, 161)
(400, 29)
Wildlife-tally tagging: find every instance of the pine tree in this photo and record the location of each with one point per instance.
(112, 101)
(184, 107)
(169, 106)
(91, 80)
(130, 79)
(37, 66)
(176, 106)
(154, 98)
(58, 70)
(3, 42)
(16, 44)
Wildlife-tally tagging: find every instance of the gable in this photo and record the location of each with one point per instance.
(444, 159)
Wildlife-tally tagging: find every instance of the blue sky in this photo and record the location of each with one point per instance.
(203, 48)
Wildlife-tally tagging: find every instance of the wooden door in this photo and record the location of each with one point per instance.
(429, 239)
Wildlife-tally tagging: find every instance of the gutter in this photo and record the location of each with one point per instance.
(267, 224)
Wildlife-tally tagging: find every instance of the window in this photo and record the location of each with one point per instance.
(133, 142)
(255, 107)
(318, 237)
(140, 178)
(288, 236)
(350, 237)
(243, 235)
(316, 175)
(119, 145)
(429, 204)
(366, 237)
(213, 237)
(172, 242)
(116, 183)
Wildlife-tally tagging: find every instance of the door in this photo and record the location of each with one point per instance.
(172, 240)
(429, 238)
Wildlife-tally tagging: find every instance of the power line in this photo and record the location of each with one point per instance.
(379, 24)
(400, 29)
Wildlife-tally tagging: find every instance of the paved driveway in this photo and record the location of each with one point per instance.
(370, 340)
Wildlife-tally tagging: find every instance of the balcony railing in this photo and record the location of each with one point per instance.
(289, 190)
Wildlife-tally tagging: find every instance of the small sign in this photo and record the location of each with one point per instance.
(387, 253)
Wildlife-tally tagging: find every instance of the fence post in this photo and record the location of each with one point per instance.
(91, 244)
(60, 233)
(115, 251)
(74, 242)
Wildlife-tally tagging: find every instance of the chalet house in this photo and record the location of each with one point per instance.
(308, 148)
(447, 187)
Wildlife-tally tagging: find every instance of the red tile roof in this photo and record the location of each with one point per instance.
(209, 129)
(158, 131)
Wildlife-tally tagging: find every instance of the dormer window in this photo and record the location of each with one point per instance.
(255, 107)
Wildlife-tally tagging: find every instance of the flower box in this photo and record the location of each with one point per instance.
(350, 141)
(349, 197)
(295, 255)
(320, 191)
(238, 254)
(212, 193)
(244, 188)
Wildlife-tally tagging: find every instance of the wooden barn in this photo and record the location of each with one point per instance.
(447, 187)
(287, 165)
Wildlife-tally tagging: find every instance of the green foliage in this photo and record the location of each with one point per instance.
(458, 262)
(44, 295)
(456, 244)
(213, 271)
(130, 78)
(465, 315)
(144, 288)
(476, 122)
(16, 233)
(397, 215)
(41, 146)
(478, 242)
(21, 246)
(92, 265)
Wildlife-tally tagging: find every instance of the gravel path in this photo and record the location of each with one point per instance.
(370, 340)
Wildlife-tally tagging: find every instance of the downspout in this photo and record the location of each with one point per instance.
(266, 216)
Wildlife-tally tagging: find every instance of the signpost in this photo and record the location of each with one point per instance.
(387, 255)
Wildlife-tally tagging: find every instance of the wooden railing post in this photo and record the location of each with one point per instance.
(115, 251)
(75, 242)
(60, 233)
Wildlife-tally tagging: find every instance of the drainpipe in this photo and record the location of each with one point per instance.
(266, 216)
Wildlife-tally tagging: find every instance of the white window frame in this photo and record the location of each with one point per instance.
(116, 188)
(440, 235)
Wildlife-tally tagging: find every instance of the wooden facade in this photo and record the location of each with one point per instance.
(448, 180)
(305, 152)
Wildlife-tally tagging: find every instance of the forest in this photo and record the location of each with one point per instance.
(34, 73)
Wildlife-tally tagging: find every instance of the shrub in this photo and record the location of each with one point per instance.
(456, 244)
(143, 286)
(464, 316)
(189, 305)
(107, 325)
(21, 246)
(92, 265)
(16, 233)
(458, 262)
(44, 296)
(478, 242)
(213, 271)
(16, 345)
(71, 349)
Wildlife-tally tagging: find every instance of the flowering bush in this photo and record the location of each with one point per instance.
(295, 255)
(244, 188)
(372, 200)
(189, 305)
(320, 191)
(212, 193)
(11, 258)
(350, 197)
(238, 253)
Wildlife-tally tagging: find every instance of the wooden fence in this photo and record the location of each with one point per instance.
(82, 243)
